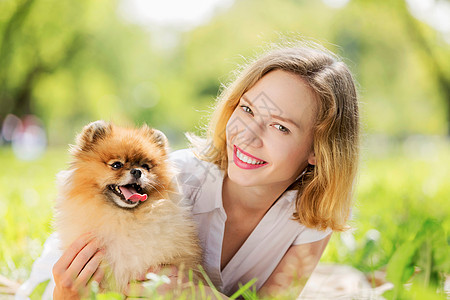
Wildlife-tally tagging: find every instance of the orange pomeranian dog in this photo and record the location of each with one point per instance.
(120, 188)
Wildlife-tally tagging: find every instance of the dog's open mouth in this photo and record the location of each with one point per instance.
(130, 193)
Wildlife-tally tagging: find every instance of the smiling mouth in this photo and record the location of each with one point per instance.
(129, 193)
(246, 161)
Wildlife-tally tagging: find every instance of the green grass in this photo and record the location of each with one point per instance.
(26, 202)
(399, 189)
(401, 193)
(396, 192)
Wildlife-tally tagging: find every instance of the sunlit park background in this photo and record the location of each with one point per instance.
(64, 64)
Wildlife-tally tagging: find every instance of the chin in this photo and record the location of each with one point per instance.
(120, 188)
(242, 177)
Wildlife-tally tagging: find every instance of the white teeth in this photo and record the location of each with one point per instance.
(239, 155)
(118, 190)
(247, 159)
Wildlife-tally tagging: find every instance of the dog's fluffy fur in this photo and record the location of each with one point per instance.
(135, 234)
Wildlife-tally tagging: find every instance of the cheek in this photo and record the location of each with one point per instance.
(232, 127)
(109, 176)
(289, 154)
(116, 175)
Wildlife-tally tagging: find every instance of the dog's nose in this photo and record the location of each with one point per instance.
(136, 173)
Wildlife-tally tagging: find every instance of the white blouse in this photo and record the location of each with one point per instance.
(201, 187)
(201, 184)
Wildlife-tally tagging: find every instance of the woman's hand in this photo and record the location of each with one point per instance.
(179, 283)
(138, 288)
(78, 264)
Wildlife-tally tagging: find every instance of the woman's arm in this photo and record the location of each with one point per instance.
(294, 268)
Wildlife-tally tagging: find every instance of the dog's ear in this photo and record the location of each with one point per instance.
(156, 136)
(160, 138)
(92, 133)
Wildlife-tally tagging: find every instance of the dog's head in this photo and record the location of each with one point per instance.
(127, 166)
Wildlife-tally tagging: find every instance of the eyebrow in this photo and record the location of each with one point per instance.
(286, 120)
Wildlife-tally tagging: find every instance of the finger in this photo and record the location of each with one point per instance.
(82, 258)
(170, 271)
(99, 274)
(153, 269)
(143, 276)
(173, 271)
(89, 269)
(69, 254)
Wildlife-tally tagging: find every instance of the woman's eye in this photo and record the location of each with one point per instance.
(281, 128)
(116, 165)
(146, 167)
(247, 109)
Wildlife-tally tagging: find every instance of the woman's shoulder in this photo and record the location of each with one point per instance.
(310, 235)
(182, 157)
(302, 233)
(186, 161)
(191, 171)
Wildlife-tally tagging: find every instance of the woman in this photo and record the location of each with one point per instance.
(270, 182)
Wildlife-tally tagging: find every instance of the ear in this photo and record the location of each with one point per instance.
(92, 133)
(312, 159)
(160, 138)
(157, 137)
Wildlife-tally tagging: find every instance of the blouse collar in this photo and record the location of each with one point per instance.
(213, 184)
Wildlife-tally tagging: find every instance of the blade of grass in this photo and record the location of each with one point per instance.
(243, 288)
(191, 283)
(208, 280)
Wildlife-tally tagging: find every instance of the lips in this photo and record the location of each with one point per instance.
(245, 160)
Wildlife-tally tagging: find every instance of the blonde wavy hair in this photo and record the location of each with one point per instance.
(325, 191)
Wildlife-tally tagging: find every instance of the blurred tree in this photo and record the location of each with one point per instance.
(31, 47)
(437, 59)
(74, 62)
(402, 92)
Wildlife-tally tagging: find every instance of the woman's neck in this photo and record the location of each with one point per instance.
(249, 199)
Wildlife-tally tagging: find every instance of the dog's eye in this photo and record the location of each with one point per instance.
(146, 166)
(117, 165)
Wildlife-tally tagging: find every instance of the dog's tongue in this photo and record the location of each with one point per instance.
(131, 194)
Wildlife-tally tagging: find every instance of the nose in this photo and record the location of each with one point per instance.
(136, 173)
(250, 135)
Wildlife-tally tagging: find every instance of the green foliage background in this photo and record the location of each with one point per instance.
(72, 62)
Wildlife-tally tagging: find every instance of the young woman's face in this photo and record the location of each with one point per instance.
(269, 134)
